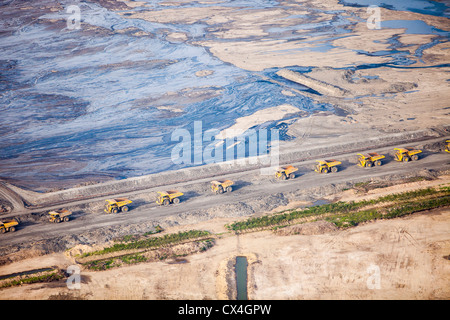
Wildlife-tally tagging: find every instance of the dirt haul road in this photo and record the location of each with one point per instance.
(253, 194)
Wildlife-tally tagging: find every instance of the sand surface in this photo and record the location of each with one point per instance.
(162, 65)
(404, 258)
(218, 57)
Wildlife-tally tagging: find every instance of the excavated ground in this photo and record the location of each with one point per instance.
(308, 261)
(391, 88)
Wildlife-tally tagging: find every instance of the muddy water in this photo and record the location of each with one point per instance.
(102, 101)
(241, 277)
(419, 6)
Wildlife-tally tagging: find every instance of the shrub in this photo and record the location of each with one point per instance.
(152, 242)
(347, 213)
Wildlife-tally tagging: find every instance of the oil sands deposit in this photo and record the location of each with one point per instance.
(93, 92)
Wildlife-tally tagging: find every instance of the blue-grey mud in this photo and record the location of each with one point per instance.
(101, 101)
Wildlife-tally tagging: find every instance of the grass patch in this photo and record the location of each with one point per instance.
(98, 265)
(394, 211)
(354, 218)
(417, 206)
(208, 243)
(152, 242)
(346, 214)
(53, 276)
(134, 258)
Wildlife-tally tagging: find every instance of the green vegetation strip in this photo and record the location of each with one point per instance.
(152, 242)
(53, 276)
(354, 218)
(345, 214)
(117, 261)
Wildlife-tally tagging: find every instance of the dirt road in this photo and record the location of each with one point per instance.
(407, 254)
(253, 194)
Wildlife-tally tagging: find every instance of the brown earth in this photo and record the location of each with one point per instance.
(310, 261)
(319, 262)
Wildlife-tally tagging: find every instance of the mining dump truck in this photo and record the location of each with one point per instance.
(167, 197)
(221, 186)
(447, 147)
(406, 154)
(325, 166)
(370, 159)
(59, 215)
(8, 225)
(117, 205)
(284, 173)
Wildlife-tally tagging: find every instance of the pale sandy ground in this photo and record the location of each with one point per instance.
(392, 259)
(259, 117)
(408, 252)
(397, 99)
(378, 100)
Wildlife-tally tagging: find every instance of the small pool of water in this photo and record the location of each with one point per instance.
(419, 6)
(241, 277)
(413, 27)
(319, 202)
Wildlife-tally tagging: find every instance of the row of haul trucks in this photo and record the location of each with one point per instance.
(165, 198)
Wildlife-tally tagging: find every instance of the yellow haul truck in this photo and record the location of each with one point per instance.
(447, 148)
(59, 215)
(284, 173)
(325, 166)
(117, 205)
(370, 159)
(8, 225)
(406, 154)
(167, 197)
(221, 186)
